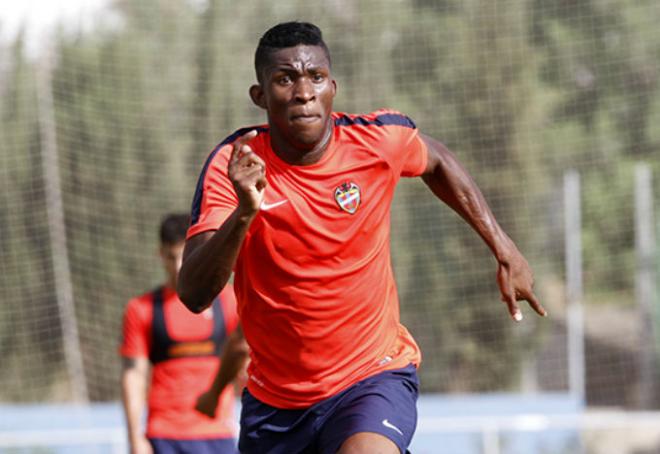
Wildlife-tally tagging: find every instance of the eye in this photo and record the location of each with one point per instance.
(318, 77)
(284, 80)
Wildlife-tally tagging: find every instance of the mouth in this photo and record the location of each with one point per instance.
(305, 118)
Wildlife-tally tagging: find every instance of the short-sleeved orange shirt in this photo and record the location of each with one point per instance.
(314, 284)
(177, 383)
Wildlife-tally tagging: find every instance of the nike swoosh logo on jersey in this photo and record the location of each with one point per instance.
(389, 425)
(269, 206)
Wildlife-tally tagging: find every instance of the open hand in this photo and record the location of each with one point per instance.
(515, 279)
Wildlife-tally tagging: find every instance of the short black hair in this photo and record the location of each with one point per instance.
(173, 228)
(287, 34)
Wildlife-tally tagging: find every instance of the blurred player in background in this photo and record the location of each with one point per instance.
(181, 350)
(299, 209)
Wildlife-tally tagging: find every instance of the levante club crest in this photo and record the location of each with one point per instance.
(347, 196)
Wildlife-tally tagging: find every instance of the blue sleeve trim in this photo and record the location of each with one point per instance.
(199, 189)
(381, 120)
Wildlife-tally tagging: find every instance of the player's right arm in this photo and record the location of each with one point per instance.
(209, 257)
(134, 397)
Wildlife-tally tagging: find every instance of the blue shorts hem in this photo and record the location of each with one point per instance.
(384, 404)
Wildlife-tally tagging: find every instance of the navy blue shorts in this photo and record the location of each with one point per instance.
(209, 446)
(385, 404)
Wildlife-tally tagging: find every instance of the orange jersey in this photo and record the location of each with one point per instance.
(314, 284)
(177, 383)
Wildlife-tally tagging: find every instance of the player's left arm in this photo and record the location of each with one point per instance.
(233, 357)
(452, 184)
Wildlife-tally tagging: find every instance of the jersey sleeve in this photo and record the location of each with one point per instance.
(136, 330)
(406, 151)
(229, 310)
(215, 198)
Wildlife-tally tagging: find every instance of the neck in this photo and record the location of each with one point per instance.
(300, 155)
(171, 284)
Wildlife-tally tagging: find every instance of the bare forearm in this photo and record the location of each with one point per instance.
(234, 355)
(208, 262)
(451, 183)
(134, 400)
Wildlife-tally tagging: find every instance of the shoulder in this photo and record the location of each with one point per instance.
(233, 137)
(219, 155)
(378, 118)
(141, 306)
(218, 151)
(384, 131)
(144, 299)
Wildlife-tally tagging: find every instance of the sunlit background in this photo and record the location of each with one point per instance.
(109, 109)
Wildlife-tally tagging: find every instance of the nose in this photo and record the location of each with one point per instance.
(304, 90)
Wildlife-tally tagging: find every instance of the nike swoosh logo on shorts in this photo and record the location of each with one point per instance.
(269, 206)
(389, 425)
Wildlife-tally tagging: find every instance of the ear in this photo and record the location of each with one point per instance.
(257, 96)
(334, 88)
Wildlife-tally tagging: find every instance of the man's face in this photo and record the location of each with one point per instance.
(297, 90)
(171, 255)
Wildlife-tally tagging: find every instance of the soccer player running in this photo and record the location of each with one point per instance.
(181, 349)
(299, 209)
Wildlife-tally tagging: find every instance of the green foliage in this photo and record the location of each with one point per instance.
(24, 277)
(521, 90)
